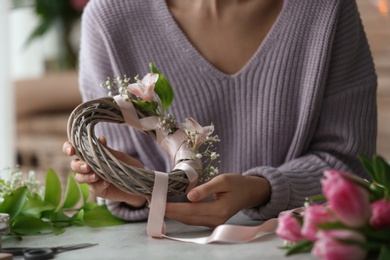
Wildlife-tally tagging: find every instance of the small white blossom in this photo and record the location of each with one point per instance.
(17, 180)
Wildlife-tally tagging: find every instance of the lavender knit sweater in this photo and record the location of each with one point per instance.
(305, 101)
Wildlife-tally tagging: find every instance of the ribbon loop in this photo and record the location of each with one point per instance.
(128, 111)
(172, 143)
(189, 167)
(131, 117)
(233, 233)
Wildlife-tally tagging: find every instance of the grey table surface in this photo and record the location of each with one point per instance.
(130, 241)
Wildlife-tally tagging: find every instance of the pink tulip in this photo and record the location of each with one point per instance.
(329, 246)
(313, 216)
(78, 5)
(380, 214)
(144, 88)
(289, 227)
(349, 202)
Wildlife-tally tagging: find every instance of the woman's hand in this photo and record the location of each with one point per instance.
(232, 193)
(98, 186)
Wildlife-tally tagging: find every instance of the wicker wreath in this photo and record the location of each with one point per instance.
(142, 105)
(128, 178)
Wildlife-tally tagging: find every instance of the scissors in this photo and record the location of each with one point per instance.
(41, 253)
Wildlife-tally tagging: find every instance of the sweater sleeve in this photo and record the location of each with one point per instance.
(346, 126)
(97, 63)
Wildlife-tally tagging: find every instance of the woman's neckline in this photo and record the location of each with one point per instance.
(178, 37)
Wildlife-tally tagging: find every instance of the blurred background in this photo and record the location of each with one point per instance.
(39, 89)
(38, 78)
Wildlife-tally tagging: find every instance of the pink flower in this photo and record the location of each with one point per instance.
(313, 216)
(197, 134)
(349, 202)
(78, 5)
(380, 214)
(289, 227)
(144, 88)
(330, 247)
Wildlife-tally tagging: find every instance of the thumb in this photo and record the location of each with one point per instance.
(103, 140)
(204, 190)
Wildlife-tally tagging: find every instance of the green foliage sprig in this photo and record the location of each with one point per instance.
(379, 170)
(31, 213)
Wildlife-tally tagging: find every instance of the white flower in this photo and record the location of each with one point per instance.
(214, 155)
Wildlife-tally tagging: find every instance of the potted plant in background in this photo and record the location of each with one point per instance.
(61, 14)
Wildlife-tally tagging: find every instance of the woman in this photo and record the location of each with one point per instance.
(290, 87)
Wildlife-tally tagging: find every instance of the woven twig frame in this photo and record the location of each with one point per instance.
(128, 178)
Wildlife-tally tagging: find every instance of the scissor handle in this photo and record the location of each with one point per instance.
(13, 250)
(39, 253)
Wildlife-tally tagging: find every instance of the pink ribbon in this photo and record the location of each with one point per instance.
(233, 233)
(131, 117)
(128, 111)
(183, 157)
(155, 226)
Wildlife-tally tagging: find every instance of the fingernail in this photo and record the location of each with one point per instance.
(105, 183)
(68, 151)
(193, 195)
(84, 168)
(92, 177)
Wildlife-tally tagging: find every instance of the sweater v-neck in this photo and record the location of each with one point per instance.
(178, 38)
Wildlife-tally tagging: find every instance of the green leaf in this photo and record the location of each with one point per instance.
(316, 198)
(39, 31)
(57, 230)
(78, 218)
(59, 216)
(60, 220)
(72, 194)
(101, 217)
(386, 176)
(27, 225)
(163, 89)
(300, 247)
(384, 253)
(145, 105)
(80, 215)
(376, 192)
(53, 188)
(34, 206)
(84, 191)
(13, 203)
(90, 205)
(333, 225)
(377, 235)
(367, 164)
(382, 172)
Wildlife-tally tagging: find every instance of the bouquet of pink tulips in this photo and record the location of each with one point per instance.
(354, 223)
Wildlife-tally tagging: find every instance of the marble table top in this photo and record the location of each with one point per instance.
(130, 241)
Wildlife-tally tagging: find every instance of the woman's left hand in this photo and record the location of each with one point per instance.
(231, 192)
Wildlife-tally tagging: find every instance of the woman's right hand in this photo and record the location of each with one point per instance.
(98, 186)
